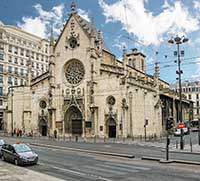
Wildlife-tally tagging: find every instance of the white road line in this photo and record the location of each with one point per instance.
(118, 168)
(79, 173)
(127, 166)
(105, 170)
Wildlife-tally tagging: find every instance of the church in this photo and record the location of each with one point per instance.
(87, 91)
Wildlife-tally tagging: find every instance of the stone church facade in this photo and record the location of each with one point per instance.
(87, 91)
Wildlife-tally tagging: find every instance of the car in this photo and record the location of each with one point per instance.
(2, 142)
(177, 132)
(19, 153)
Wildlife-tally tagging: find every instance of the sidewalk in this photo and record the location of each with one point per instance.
(11, 172)
(194, 149)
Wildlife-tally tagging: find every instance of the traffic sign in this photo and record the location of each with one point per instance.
(181, 125)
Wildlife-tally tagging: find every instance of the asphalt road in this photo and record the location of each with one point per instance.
(74, 165)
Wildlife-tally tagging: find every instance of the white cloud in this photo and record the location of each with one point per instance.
(83, 14)
(34, 25)
(196, 75)
(165, 5)
(148, 28)
(40, 25)
(119, 44)
(1, 23)
(196, 4)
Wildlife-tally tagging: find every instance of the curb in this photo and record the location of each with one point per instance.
(170, 161)
(150, 158)
(84, 150)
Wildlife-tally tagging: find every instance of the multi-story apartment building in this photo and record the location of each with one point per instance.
(17, 47)
(192, 91)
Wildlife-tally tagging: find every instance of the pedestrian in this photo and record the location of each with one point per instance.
(17, 132)
(55, 133)
(31, 132)
(20, 133)
(14, 131)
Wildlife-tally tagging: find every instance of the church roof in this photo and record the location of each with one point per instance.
(86, 26)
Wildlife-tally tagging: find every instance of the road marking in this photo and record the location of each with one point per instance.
(79, 173)
(127, 166)
(118, 168)
(116, 172)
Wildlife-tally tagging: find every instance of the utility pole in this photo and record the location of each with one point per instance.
(179, 40)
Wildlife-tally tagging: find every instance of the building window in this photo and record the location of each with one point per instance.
(1, 91)
(22, 52)
(10, 59)
(33, 64)
(22, 72)
(16, 83)
(189, 89)
(183, 89)
(1, 56)
(197, 96)
(42, 58)
(9, 69)
(37, 56)
(46, 48)
(1, 46)
(1, 68)
(197, 103)
(21, 82)
(42, 68)
(16, 50)
(27, 53)
(142, 63)
(193, 89)
(22, 61)
(189, 96)
(32, 55)
(10, 80)
(37, 65)
(1, 35)
(1, 102)
(10, 48)
(16, 61)
(197, 111)
(197, 89)
(16, 70)
(1, 78)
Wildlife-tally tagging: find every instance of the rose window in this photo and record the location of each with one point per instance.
(74, 71)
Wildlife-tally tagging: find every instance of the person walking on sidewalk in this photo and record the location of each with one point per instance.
(55, 133)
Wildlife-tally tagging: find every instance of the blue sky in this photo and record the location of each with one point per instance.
(144, 24)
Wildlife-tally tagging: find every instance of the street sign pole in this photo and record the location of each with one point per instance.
(167, 146)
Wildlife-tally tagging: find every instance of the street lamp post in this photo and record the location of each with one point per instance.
(179, 40)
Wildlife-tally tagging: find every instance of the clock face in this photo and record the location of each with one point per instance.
(74, 71)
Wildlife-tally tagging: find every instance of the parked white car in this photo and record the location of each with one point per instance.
(177, 132)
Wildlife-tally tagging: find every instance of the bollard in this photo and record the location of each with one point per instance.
(76, 137)
(70, 138)
(104, 139)
(190, 144)
(95, 139)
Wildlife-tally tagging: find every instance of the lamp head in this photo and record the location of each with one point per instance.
(185, 40)
(171, 41)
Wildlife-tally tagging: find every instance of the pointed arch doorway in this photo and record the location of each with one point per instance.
(73, 121)
(43, 127)
(111, 127)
